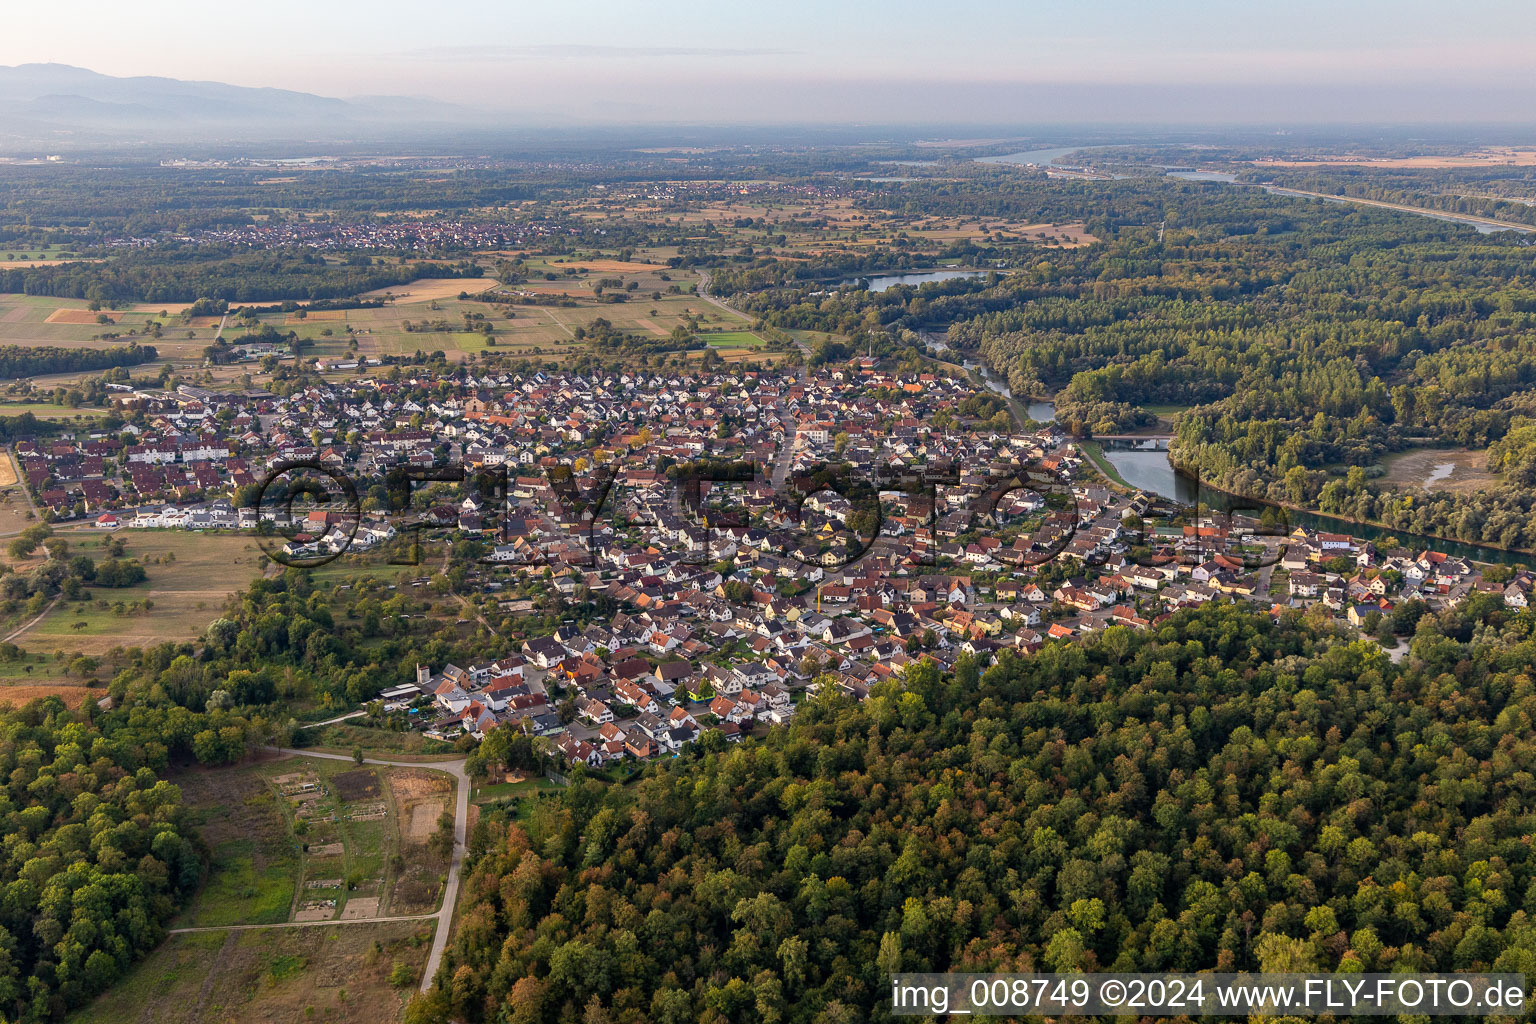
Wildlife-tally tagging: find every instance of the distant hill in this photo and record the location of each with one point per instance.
(45, 102)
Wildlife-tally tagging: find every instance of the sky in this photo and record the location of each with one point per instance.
(838, 61)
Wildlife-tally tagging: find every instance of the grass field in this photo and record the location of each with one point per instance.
(732, 339)
(253, 855)
(508, 790)
(190, 576)
(277, 975)
(49, 411)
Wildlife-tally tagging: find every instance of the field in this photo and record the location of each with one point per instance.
(733, 339)
(427, 289)
(1456, 470)
(439, 320)
(544, 332)
(1493, 156)
(49, 411)
(520, 789)
(280, 975)
(72, 696)
(309, 839)
(254, 857)
(67, 323)
(190, 575)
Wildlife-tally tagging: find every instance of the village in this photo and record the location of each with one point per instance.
(740, 593)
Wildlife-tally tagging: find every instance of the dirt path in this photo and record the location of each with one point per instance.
(26, 492)
(300, 924)
(561, 323)
(463, 601)
(32, 622)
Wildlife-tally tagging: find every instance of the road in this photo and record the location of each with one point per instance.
(703, 291)
(444, 915)
(782, 463)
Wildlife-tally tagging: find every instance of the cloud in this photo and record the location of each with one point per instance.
(581, 51)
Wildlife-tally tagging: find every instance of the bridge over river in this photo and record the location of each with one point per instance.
(1141, 442)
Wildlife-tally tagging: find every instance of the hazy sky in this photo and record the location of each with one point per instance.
(834, 60)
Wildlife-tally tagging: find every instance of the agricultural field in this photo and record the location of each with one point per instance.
(579, 288)
(446, 323)
(68, 323)
(16, 509)
(361, 973)
(190, 576)
(49, 411)
(732, 339)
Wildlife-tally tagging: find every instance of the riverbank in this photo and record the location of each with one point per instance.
(1106, 469)
(1372, 530)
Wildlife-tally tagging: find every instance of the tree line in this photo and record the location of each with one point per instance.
(1225, 791)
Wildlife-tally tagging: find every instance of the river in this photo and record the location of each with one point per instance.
(1153, 473)
(1038, 157)
(1038, 409)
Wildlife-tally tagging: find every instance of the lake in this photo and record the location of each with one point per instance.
(882, 282)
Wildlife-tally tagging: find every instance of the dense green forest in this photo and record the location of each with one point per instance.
(187, 273)
(1226, 792)
(32, 360)
(96, 856)
(1480, 192)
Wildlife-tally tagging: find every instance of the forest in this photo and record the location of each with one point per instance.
(1303, 341)
(96, 856)
(33, 360)
(1226, 791)
(173, 273)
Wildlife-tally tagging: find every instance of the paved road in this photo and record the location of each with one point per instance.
(444, 915)
(786, 458)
